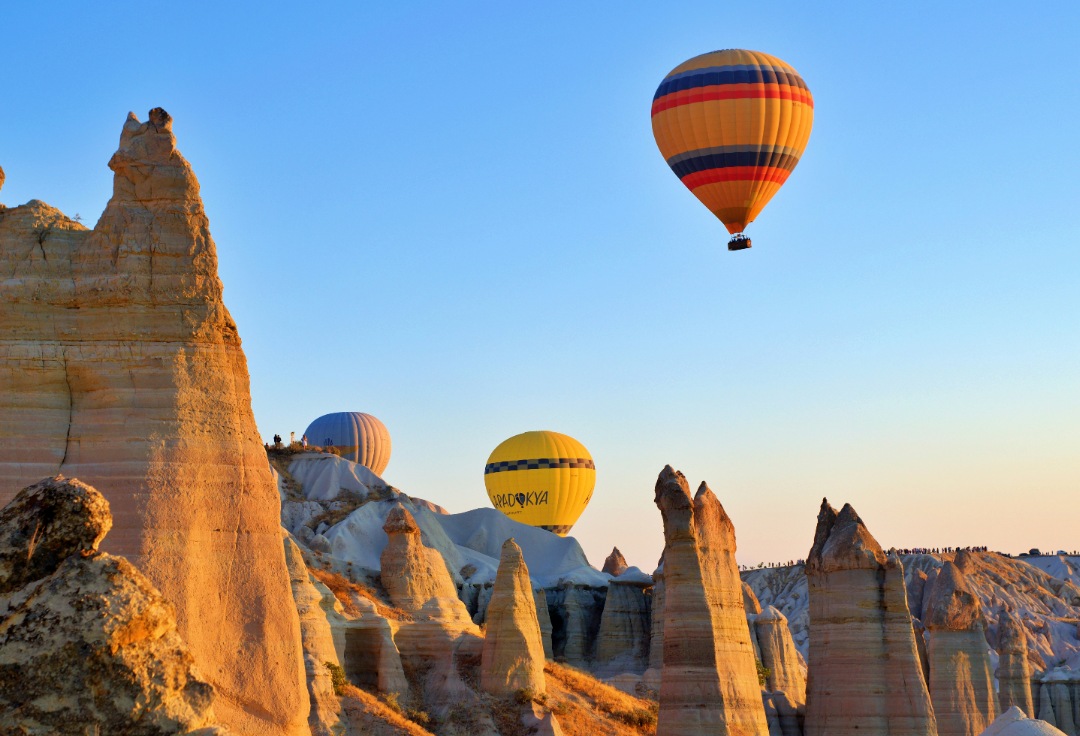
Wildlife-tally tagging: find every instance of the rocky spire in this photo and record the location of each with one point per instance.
(615, 564)
(709, 679)
(513, 654)
(864, 670)
(1014, 668)
(779, 655)
(412, 573)
(122, 367)
(961, 679)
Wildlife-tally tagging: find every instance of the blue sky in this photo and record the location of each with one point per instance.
(454, 217)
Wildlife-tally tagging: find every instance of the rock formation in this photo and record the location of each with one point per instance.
(121, 365)
(412, 572)
(961, 678)
(709, 681)
(544, 617)
(615, 564)
(513, 654)
(1014, 668)
(622, 644)
(1013, 722)
(651, 677)
(86, 642)
(779, 655)
(865, 674)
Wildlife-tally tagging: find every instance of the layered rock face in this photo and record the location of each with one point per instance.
(787, 672)
(865, 674)
(513, 654)
(121, 365)
(709, 681)
(86, 642)
(1014, 668)
(622, 644)
(961, 678)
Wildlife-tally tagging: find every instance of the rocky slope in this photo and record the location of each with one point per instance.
(121, 365)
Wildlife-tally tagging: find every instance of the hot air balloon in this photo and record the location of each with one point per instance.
(360, 437)
(732, 125)
(541, 478)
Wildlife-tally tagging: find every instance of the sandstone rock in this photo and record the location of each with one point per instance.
(121, 366)
(1046, 708)
(413, 573)
(622, 644)
(513, 654)
(709, 679)
(94, 645)
(778, 653)
(544, 618)
(1063, 707)
(750, 602)
(319, 647)
(1014, 668)
(576, 622)
(961, 678)
(44, 525)
(865, 674)
(656, 631)
(615, 564)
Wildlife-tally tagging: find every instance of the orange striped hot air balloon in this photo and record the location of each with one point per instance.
(732, 125)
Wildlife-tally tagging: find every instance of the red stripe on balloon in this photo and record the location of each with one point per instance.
(731, 92)
(735, 173)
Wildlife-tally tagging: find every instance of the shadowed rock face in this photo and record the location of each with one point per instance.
(121, 365)
(961, 679)
(513, 653)
(1014, 668)
(865, 676)
(709, 679)
(86, 642)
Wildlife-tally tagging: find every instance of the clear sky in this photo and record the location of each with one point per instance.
(453, 216)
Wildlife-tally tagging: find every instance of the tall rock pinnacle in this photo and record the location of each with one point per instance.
(961, 679)
(121, 365)
(513, 654)
(709, 681)
(1014, 669)
(865, 676)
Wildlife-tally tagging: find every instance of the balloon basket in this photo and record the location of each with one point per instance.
(738, 242)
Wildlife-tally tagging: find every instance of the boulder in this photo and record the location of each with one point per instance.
(513, 653)
(87, 644)
(961, 678)
(1014, 668)
(865, 673)
(121, 366)
(44, 525)
(709, 678)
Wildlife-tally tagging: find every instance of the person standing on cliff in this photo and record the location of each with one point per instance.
(303, 441)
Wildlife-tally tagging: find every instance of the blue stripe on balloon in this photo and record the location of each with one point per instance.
(689, 164)
(733, 74)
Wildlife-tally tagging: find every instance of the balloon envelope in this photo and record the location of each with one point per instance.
(361, 438)
(732, 125)
(541, 478)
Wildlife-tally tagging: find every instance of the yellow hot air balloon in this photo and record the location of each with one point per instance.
(541, 478)
(732, 125)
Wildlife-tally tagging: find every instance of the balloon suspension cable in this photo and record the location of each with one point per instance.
(738, 242)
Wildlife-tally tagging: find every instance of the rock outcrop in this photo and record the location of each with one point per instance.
(86, 642)
(412, 572)
(1013, 722)
(787, 672)
(121, 366)
(513, 654)
(865, 674)
(622, 644)
(709, 681)
(961, 678)
(615, 564)
(544, 617)
(1014, 668)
